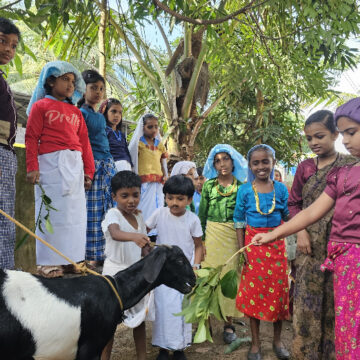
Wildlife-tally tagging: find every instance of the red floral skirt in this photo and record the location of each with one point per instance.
(264, 288)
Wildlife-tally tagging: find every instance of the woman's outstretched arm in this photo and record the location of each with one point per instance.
(302, 220)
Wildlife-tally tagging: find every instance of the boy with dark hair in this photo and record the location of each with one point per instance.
(9, 38)
(125, 237)
(175, 225)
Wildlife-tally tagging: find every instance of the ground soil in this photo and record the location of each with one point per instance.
(124, 345)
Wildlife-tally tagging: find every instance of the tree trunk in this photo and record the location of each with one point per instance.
(101, 38)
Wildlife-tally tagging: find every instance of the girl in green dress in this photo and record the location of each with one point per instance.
(226, 169)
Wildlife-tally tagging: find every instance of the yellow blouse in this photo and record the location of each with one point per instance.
(149, 166)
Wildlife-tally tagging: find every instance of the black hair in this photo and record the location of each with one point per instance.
(48, 88)
(90, 77)
(260, 147)
(325, 117)
(179, 185)
(147, 117)
(199, 170)
(8, 27)
(125, 179)
(109, 103)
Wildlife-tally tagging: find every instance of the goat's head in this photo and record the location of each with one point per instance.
(169, 266)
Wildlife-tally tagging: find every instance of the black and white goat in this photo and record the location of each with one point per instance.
(74, 318)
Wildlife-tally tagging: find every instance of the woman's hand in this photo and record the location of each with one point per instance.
(33, 177)
(303, 242)
(87, 182)
(260, 239)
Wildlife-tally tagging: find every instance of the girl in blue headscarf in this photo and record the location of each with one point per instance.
(59, 157)
(261, 205)
(226, 170)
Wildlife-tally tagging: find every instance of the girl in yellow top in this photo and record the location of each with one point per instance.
(149, 155)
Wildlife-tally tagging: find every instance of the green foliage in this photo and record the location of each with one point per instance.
(204, 299)
(285, 50)
(45, 202)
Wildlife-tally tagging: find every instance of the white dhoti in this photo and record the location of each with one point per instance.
(143, 310)
(62, 177)
(170, 331)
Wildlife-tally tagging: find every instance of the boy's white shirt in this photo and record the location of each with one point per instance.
(123, 253)
(176, 230)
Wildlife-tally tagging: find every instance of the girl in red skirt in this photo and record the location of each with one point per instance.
(261, 205)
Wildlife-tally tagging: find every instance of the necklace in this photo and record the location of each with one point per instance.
(348, 193)
(228, 193)
(257, 201)
(117, 134)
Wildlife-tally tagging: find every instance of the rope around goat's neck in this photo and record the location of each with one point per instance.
(81, 267)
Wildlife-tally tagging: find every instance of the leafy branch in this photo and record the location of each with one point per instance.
(204, 299)
(45, 202)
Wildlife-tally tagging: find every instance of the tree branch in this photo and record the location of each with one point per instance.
(166, 41)
(243, 10)
(185, 111)
(9, 5)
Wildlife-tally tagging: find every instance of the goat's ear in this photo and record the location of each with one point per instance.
(153, 265)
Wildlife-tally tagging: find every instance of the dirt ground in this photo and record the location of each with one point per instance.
(124, 345)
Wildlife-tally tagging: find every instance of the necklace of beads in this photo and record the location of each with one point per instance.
(257, 201)
(230, 191)
(348, 193)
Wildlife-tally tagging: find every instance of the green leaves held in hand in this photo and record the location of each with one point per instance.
(229, 284)
(205, 298)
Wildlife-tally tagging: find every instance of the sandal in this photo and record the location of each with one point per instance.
(50, 272)
(228, 336)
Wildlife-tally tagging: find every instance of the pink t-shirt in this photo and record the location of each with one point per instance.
(343, 186)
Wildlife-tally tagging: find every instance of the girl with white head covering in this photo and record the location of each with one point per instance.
(226, 170)
(188, 169)
(59, 156)
(148, 155)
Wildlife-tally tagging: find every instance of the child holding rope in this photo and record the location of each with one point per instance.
(59, 156)
(261, 205)
(112, 110)
(125, 234)
(343, 249)
(99, 195)
(149, 155)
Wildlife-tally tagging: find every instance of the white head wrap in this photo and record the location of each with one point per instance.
(134, 143)
(57, 68)
(183, 167)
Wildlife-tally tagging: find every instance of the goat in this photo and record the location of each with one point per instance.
(74, 318)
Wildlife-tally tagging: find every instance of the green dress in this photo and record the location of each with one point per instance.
(216, 216)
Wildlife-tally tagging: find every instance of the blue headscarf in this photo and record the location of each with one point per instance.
(251, 176)
(57, 68)
(239, 162)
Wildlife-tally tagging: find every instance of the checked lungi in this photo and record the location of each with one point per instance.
(99, 201)
(8, 168)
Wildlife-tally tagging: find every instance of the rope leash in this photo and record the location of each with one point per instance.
(82, 267)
